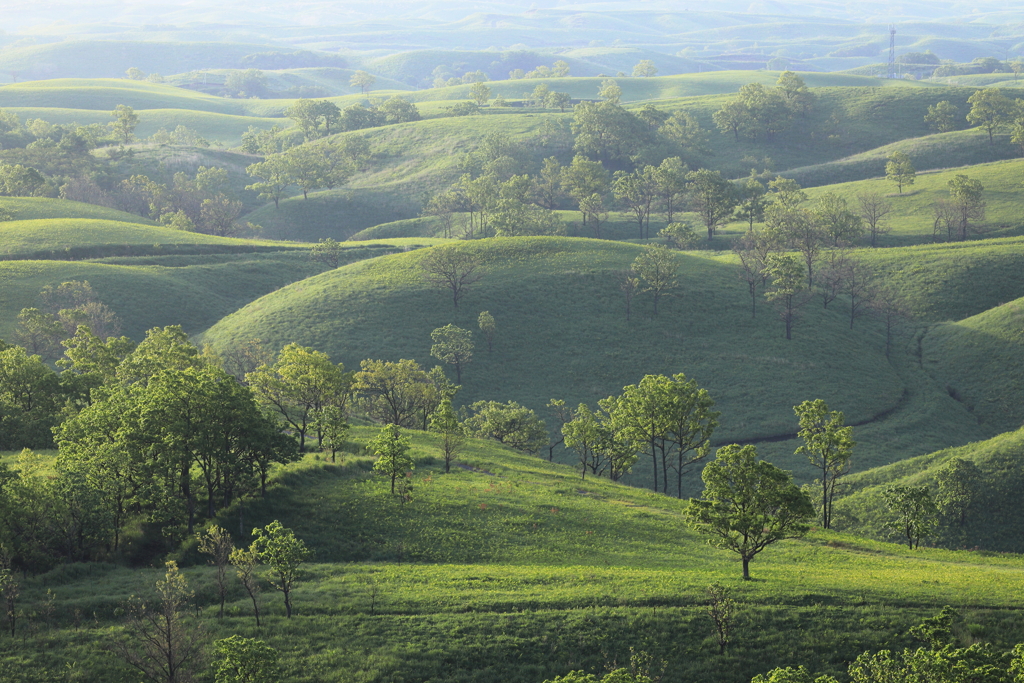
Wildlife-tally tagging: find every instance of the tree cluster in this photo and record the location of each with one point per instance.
(760, 112)
(669, 419)
(320, 165)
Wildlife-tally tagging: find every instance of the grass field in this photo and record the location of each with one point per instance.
(511, 569)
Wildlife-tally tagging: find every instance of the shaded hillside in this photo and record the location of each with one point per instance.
(993, 520)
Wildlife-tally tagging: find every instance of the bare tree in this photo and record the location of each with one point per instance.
(245, 561)
(721, 608)
(629, 283)
(892, 310)
(874, 210)
(160, 642)
(452, 268)
(216, 543)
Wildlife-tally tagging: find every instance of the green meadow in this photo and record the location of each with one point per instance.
(513, 569)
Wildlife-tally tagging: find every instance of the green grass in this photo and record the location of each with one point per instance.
(516, 570)
(193, 295)
(938, 151)
(980, 360)
(562, 333)
(224, 128)
(912, 220)
(31, 208)
(78, 237)
(991, 521)
(103, 94)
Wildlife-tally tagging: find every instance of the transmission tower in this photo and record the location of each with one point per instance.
(892, 50)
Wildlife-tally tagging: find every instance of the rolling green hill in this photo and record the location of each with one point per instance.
(29, 208)
(580, 347)
(980, 360)
(992, 521)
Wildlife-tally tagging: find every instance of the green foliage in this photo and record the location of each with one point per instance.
(391, 449)
(828, 444)
(278, 547)
(913, 512)
(245, 660)
(454, 346)
(748, 504)
(657, 268)
(511, 424)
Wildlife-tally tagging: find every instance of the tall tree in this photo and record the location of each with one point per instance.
(828, 445)
(125, 121)
(487, 325)
(787, 290)
(958, 488)
(301, 382)
(751, 200)
(942, 116)
(445, 423)
(392, 392)
(990, 109)
(712, 197)
(162, 643)
(967, 199)
(748, 504)
(363, 80)
(913, 512)
(637, 190)
(874, 211)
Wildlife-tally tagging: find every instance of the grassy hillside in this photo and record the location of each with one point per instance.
(992, 521)
(193, 294)
(912, 219)
(511, 569)
(580, 346)
(417, 159)
(104, 94)
(980, 360)
(29, 208)
(110, 58)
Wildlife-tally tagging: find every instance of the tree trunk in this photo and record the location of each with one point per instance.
(746, 569)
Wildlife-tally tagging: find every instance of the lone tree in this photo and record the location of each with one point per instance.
(363, 80)
(326, 251)
(900, 170)
(942, 116)
(914, 512)
(160, 641)
(958, 487)
(990, 109)
(828, 445)
(967, 201)
(657, 266)
(874, 210)
(392, 452)
(448, 267)
(721, 609)
(279, 548)
(748, 504)
(712, 197)
(487, 325)
(125, 121)
(445, 423)
(788, 291)
(454, 346)
(644, 69)
(216, 542)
